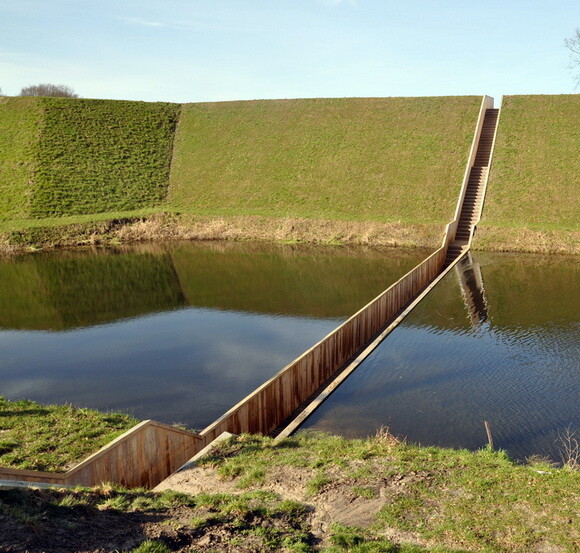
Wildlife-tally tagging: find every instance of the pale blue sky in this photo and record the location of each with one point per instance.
(207, 50)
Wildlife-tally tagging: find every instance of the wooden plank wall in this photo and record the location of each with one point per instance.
(142, 456)
(265, 408)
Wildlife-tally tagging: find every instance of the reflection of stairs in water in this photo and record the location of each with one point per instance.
(475, 190)
(472, 290)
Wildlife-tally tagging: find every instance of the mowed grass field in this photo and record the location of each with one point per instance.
(351, 170)
(535, 174)
(96, 156)
(377, 159)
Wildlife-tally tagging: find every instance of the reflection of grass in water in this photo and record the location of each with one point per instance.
(79, 289)
(37, 437)
(69, 289)
(531, 291)
(317, 282)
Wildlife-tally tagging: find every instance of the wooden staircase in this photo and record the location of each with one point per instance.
(474, 193)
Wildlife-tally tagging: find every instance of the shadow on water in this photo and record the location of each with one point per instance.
(496, 340)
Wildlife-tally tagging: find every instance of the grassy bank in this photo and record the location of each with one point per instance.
(372, 170)
(54, 437)
(313, 493)
(380, 171)
(365, 159)
(532, 196)
(67, 156)
(141, 226)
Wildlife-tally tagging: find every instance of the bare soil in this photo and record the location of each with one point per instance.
(336, 502)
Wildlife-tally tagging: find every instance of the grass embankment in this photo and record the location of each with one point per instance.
(20, 123)
(369, 170)
(314, 493)
(357, 170)
(533, 193)
(54, 437)
(364, 159)
(76, 156)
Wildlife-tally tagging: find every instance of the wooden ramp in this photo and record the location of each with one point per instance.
(147, 454)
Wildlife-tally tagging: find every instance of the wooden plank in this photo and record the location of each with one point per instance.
(324, 394)
(7, 473)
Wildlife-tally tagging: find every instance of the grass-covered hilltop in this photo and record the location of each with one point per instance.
(534, 185)
(360, 170)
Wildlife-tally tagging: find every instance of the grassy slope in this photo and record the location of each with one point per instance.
(309, 494)
(453, 499)
(533, 184)
(535, 171)
(353, 160)
(102, 155)
(20, 122)
(382, 159)
(51, 437)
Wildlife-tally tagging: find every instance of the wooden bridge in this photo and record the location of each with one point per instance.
(151, 451)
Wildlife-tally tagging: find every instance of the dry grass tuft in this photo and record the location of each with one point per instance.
(569, 449)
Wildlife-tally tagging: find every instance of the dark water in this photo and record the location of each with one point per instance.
(180, 333)
(498, 340)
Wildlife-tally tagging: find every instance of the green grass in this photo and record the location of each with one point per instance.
(102, 155)
(20, 126)
(535, 169)
(52, 437)
(70, 162)
(434, 500)
(455, 500)
(381, 159)
(63, 157)
(252, 521)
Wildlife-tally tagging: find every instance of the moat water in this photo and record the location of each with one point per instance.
(180, 333)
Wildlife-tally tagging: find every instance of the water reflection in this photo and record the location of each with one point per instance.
(471, 281)
(176, 333)
(496, 340)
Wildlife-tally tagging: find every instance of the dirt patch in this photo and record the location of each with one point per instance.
(338, 501)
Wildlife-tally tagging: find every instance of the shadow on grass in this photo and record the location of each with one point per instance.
(22, 412)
